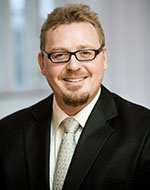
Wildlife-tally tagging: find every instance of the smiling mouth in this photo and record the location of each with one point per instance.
(74, 79)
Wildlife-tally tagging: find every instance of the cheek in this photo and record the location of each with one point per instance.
(52, 73)
(97, 70)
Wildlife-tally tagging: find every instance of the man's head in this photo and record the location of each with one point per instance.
(75, 81)
(68, 15)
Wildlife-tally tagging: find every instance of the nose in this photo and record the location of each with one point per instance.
(73, 64)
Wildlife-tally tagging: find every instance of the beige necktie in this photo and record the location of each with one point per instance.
(65, 153)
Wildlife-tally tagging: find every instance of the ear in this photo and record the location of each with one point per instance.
(105, 57)
(41, 63)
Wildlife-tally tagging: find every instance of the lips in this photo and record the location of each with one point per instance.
(74, 79)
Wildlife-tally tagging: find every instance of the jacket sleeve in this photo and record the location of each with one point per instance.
(142, 176)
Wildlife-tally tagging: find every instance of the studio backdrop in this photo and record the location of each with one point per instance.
(126, 25)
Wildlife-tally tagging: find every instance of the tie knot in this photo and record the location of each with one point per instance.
(70, 125)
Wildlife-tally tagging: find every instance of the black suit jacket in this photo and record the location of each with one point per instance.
(113, 151)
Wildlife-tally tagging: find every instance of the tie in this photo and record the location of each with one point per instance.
(65, 153)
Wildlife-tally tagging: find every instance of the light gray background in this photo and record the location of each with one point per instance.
(126, 24)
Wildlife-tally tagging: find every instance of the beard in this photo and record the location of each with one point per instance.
(74, 101)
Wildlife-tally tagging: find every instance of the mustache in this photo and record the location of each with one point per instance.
(74, 73)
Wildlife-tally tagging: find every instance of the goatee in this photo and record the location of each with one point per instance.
(75, 101)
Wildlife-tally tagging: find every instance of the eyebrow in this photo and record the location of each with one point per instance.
(58, 49)
(66, 49)
(88, 46)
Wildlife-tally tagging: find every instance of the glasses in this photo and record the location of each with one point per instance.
(65, 56)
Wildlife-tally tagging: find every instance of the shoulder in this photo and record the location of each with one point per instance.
(133, 120)
(123, 104)
(24, 114)
(126, 107)
(14, 126)
(128, 112)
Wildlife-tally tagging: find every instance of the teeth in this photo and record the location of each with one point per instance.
(74, 80)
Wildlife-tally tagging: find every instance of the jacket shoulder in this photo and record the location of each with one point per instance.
(130, 107)
(133, 116)
(23, 114)
(127, 112)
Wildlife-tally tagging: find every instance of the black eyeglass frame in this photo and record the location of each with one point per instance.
(48, 55)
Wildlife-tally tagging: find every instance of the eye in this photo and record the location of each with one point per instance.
(86, 53)
(59, 56)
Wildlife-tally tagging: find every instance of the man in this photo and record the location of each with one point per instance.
(112, 139)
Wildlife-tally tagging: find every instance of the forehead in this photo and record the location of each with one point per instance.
(73, 34)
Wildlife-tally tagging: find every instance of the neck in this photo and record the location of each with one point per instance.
(71, 110)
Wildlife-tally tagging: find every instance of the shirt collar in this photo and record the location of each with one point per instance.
(59, 115)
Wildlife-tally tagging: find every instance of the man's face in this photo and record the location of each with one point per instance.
(74, 83)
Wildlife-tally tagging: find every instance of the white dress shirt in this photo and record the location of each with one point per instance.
(57, 132)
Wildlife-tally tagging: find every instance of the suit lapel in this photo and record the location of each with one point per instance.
(36, 140)
(92, 140)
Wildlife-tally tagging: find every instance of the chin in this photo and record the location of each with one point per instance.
(75, 101)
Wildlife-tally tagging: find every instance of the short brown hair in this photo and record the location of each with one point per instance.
(69, 14)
